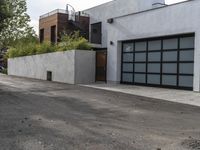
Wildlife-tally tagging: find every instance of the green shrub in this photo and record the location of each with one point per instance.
(29, 46)
(13, 52)
(45, 47)
(22, 47)
(73, 41)
(82, 44)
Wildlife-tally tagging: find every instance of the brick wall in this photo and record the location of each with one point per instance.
(60, 20)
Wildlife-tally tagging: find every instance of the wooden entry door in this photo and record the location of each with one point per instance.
(101, 65)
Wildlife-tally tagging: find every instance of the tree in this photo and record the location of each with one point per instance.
(5, 12)
(16, 23)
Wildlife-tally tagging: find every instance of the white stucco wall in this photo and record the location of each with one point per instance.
(73, 67)
(175, 19)
(85, 67)
(116, 8)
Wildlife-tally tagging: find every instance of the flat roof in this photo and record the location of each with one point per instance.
(53, 13)
(99, 5)
(61, 11)
(161, 7)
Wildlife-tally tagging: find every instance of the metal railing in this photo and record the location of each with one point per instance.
(63, 12)
(53, 13)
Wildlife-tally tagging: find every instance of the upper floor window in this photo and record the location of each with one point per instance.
(53, 34)
(41, 35)
(96, 32)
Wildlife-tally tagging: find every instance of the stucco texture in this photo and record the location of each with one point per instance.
(73, 67)
(170, 20)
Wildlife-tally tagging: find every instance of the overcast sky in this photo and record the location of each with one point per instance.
(38, 7)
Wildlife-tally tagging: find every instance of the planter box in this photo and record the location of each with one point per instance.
(73, 67)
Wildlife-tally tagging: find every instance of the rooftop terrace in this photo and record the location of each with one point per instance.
(62, 11)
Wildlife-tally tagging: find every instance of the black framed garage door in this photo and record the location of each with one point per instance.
(163, 61)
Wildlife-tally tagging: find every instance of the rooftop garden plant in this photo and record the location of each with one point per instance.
(30, 46)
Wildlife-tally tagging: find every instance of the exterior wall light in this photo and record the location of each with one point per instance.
(110, 21)
(111, 43)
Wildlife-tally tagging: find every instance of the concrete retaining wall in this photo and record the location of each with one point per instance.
(73, 67)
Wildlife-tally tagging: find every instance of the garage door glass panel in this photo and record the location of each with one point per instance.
(140, 67)
(153, 79)
(128, 67)
(127, 77)
(154, 68)
(169, 68)
(140, 46)
(169, 44)
(128, 57)
(154, 45)
(186, 81)
(154, 56)
(187, 42)
(186, 68)
(187, 55)
(164, 61)
(139, 78)
(169, 80)
(139, 57)
(128, 47)
(170, 56)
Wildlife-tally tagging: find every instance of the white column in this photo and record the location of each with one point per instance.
(196, 83)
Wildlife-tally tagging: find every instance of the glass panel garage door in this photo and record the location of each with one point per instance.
(164, 61)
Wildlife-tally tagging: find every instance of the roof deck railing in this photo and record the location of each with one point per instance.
(62, 11)
(54, 12)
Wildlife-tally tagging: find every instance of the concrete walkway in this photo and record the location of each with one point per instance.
(179, 96)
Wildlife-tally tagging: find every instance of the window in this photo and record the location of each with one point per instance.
(139, 78)
(169, 80)
(96, 33)
(140, 57)
(169, 68)
(41, 35)
(53, 34)
(140, 67)
(128, 57)
(127, 77)
(140, 46)
(155, 56)
(170, 56)
(154, 67)
(128, 47)
(154, 45)
(170, 44)
(128, 67)
(187, 42)
(186, 55)
(153, 79)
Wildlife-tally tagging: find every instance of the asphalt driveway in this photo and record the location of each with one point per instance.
(40, 115)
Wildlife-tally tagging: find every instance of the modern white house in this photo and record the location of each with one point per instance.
(141, 42)
(149, 43)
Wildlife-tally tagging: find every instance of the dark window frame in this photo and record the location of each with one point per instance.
(53, 35)
(41, 35)
(98, 39)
